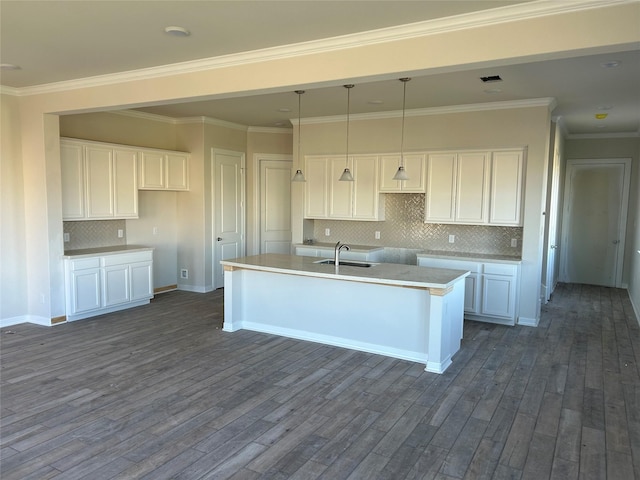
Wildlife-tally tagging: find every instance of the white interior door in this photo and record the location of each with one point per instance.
(594, 227)
(275, 206)
(228, 234)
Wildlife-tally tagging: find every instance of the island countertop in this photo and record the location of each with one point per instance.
(380, 273)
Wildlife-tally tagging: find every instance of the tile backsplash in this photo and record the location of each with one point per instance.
(404, 229)
(94, 233)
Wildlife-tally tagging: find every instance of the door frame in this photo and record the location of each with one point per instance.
(257, 192)
(622, 226)
(243, 202)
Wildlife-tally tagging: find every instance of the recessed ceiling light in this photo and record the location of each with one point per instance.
(492, 91)
(611, 64)
(9, 66)
(177, 31)
(375, 102)
(601, 116)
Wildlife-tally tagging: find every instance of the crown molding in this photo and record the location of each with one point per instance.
(143, 115)
(4, 90)
(285, 130)
(548, 102)
(597, 136)
(522, 11)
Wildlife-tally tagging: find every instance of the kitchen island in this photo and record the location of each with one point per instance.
(402, 311)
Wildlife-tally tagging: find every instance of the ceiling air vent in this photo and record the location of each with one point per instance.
(491, 78)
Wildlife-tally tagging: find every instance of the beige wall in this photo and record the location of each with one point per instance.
(13, 253)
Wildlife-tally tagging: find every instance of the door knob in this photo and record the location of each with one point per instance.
(554, 246)
(615, 242)
(219, 239)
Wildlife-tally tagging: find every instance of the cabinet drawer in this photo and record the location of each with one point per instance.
(473, 267)
(124, 258)
(84, 263)
(500, 269)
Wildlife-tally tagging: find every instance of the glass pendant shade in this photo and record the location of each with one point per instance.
(401, 174)
(346, 175)
(299, 176)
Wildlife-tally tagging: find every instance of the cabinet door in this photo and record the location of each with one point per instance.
(307, 252)
(151, 171)
(472, 186)
(99, 181)
(177, 171)
(72, 170)
(141, 280)
(365, 188)
(414, 165)
(125, 184)
(340, 193)
(441, 187)
(85, 290)
(498, 296)
(506, 188)
(115, 285)
(315, 205)
(471, 294)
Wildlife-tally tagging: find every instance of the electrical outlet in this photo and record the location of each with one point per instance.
(184, 273)
(120, 233)
(155, 230)
(514, 242)
(377, 235)
(66, 237)
(452, 238)
(327, 232)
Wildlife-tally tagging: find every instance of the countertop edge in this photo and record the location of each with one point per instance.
(472, 257)
(102, 251)
(348, 274)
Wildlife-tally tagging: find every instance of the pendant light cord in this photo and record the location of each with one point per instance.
(348, 87)
(404, 102)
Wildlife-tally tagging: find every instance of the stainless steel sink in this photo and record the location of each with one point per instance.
(346, 263)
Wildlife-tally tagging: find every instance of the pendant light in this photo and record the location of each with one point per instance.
(401, 174)
(299, 176)
(346, 175)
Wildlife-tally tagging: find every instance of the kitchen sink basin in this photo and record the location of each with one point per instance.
(346, 263)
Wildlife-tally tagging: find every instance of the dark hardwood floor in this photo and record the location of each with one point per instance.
(161, 392)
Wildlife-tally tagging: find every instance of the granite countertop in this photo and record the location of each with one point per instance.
(88, 252)
(329, 245)
(381, 273)
(469, 256)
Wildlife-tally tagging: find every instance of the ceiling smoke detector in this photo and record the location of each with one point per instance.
(491, 78)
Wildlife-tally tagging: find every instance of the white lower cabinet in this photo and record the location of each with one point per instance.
(491, 292)
(106, 283)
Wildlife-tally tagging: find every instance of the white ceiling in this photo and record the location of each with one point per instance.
(59, 41)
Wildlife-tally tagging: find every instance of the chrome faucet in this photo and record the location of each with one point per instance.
(336, 254)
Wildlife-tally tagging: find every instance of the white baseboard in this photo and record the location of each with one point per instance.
(528, 322)
(195, 288)
(8, 322)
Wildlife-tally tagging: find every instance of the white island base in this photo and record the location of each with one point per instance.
(352, 308)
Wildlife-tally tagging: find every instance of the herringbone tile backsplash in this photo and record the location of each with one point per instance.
(94, 234)
(404, 229)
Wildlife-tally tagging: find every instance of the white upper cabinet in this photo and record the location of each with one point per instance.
(507, 174)
(72, 166)
(472, 187)
(160, 170)
(475, 188)
(316, 191)
(441, 188)
(99, 182)
(414, 165)
(328, 198)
